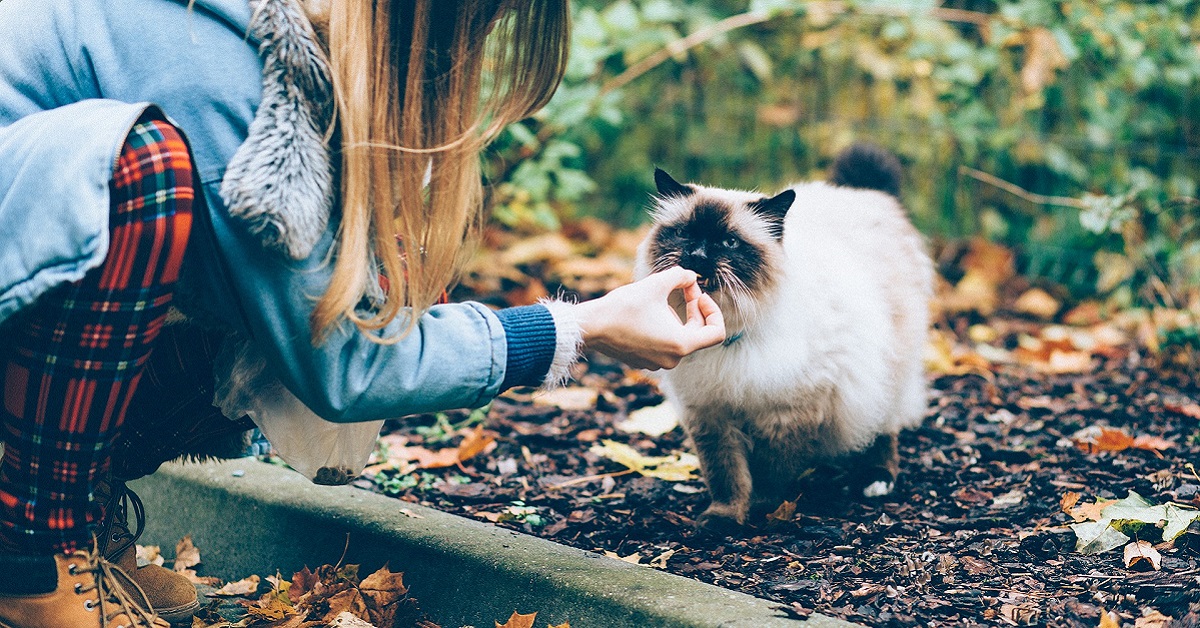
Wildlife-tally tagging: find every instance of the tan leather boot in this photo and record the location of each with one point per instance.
(169, 594)
(78, 590)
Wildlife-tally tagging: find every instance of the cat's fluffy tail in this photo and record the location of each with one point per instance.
(867, 166)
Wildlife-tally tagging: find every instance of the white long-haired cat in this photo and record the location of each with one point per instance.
(825, 289)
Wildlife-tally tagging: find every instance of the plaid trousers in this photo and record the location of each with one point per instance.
(71, 362)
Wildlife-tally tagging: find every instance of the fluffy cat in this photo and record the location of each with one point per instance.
(825, 289)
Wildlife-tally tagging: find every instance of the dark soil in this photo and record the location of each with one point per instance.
(974, 533)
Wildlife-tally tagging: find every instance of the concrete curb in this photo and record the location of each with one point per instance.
(248, 517)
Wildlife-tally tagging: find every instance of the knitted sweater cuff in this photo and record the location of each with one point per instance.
(544, 340)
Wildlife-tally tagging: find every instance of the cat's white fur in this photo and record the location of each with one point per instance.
(831, 354)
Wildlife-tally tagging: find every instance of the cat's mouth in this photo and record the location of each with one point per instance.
(707, 284)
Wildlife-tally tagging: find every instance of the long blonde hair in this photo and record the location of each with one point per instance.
(421, 87)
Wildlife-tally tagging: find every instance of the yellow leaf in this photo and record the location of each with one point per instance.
(1109, 619)
(518, 620)
(675, 468)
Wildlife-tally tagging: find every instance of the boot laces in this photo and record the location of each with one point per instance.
(118, 594)
(117, 536)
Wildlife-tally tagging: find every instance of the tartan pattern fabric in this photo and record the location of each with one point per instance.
(71, 362)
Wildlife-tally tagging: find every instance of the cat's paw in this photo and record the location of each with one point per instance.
(878, 488)
(723, 520)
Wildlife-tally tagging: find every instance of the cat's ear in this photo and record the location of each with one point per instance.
(668, 187)
(774, 209)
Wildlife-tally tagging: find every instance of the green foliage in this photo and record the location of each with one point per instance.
(1091, 102)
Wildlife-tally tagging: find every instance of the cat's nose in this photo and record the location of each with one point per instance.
(698, 253)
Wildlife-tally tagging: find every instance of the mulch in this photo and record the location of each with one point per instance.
(974, 533)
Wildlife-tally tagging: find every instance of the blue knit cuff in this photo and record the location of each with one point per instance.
(532, 340)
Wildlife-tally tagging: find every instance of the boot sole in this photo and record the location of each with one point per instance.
(177, 615)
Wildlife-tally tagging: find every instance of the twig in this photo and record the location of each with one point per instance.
(588, 478)
(1016, 190)
(683, 44)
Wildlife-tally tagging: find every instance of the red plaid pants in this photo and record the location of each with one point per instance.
(71, 362)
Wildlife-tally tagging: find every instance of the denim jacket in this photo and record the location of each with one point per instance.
(75, 75)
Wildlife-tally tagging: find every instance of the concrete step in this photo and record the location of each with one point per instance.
(249, 517)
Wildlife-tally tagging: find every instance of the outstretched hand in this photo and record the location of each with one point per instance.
(637, 324)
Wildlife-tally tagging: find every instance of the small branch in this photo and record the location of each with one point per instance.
(588, 478)
(1018, 191)
(683, 44)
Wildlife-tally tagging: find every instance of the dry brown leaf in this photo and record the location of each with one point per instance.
(346, 601)
(303, 581)
(1022, 615)
(1068, 501)
(241, 588)
(633, 559)
(1109, 619)
(1187, 409)
(784, 513)
(475, 443)
(518, 620)
(1141, 556)
(660, 561)
(1152, 443)
(1151, 618)
(187, 555)
(1089, 512)
(384, 587)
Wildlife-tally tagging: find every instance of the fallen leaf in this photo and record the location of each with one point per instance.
(1188, 409)
(565, 624)
(1039, 303)
(518, 620)
(149, 555)
(783, 513)
(186, 554)
(1009, 499)
(653, 421)
(569, 398)
(384, 587)
(676, 468)
(633, 559)
(348, 620)
(1109, 619)
(1141, 556)
(303, 581)
(660, 561)
(243, 587)
(1022, 615)
(1151, 618)
(1068, 501)
(1127, 515)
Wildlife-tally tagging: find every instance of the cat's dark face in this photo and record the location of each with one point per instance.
(730, 239)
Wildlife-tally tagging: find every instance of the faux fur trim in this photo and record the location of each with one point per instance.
(280, 180)
(569, 346)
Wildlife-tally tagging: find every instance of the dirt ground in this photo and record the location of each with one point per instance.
(974, 534)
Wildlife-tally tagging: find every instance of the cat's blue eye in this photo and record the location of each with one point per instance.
(730, 242)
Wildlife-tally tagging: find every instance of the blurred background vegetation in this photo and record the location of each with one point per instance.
(1066, 130)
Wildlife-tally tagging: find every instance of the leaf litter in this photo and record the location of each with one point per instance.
(1044, 415)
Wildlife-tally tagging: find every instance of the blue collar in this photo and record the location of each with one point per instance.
(732, 339)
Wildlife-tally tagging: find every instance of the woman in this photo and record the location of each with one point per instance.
(300, 180)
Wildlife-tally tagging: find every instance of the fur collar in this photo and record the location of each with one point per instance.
(280, 180)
